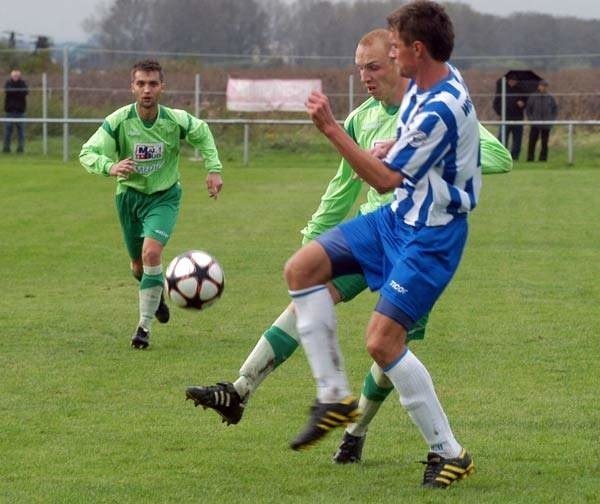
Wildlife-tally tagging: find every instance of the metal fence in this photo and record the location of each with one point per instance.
(73, 94)
(246, 124)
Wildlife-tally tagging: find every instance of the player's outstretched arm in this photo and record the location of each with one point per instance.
(495, 158)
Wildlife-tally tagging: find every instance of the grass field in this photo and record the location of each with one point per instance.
(513, 347)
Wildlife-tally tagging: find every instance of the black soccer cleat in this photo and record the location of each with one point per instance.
(162, 313)
(441, 472)
(350, 449)
(222, 397)
(140, 339)
(323, 418)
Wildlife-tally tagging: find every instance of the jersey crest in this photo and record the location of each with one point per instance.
(148, 157)
(146, 151)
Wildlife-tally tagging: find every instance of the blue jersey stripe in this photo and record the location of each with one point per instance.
(471, 192)
(447, 87)
(438, 152)
(455, 200)
(404, 156)
(424, 210)
(407, 203)
(409, 110)
(450, 168)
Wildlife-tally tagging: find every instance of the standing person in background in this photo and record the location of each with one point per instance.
(515, 109)
(541, 106)
(15, 106)
(140, 144)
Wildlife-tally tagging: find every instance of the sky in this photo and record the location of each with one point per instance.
(61, 19)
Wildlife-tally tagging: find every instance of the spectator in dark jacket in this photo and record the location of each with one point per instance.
(15, 105)
(541, 106)
(515, 106)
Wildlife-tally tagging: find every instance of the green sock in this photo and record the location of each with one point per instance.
(273, 348)
(376, 388)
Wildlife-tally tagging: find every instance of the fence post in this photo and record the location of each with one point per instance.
(65, 103)
(503, 126)
(197, 109)
(246, 140)
(570, 144)
(45, 113)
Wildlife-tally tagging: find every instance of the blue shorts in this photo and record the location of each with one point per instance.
(410, 266)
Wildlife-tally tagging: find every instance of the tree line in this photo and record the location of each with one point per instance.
(323, 28)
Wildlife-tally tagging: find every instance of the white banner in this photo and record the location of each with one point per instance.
(261, 95)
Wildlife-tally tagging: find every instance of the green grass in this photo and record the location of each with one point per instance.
(512, 346)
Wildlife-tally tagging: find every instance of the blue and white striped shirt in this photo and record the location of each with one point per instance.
(437, 151)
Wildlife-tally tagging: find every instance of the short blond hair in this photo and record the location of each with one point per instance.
(379, 35)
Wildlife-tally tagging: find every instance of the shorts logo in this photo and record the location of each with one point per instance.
(145, 152)
(160, 232)
(398, 288)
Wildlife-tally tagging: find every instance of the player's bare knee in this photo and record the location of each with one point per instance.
(309, 266)
(376, 350)
(384, 348)
(151, 256)
(292, 272)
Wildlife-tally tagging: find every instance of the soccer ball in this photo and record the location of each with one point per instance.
(194, 279)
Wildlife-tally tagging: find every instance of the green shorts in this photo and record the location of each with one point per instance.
(349, 286)
(147, 216)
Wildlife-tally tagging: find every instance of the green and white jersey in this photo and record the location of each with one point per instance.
(154, 148)
(369, 123)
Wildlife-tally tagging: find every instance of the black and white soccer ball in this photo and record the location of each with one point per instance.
(194, 279)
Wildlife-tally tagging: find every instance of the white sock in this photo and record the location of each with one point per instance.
(316, 325)
(149, 298)
(261, 361)
(255, 368)
(417, 395)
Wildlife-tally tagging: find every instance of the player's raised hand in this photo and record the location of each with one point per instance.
(319, 110)
(214, 183)
(123, 168)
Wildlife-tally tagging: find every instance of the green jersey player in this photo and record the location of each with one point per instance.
(139, 144)
(374, 121)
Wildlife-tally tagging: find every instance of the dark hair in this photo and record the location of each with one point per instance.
(148, 65)
(427, 22)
